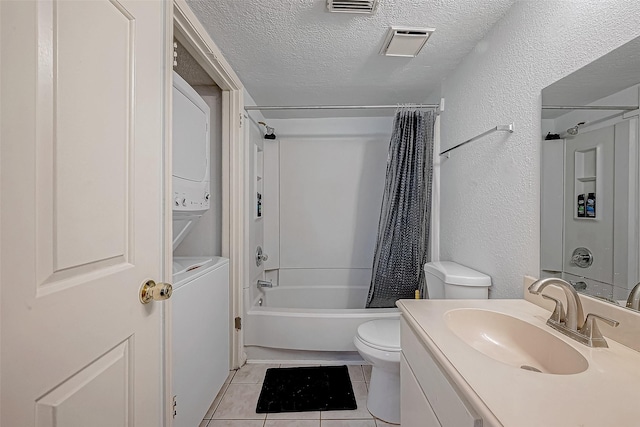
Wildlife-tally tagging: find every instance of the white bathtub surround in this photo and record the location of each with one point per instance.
(317, 322)
(331, 181)
(490, 189)
(321, 249)
(330, 219)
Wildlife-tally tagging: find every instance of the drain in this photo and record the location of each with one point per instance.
(530, 368)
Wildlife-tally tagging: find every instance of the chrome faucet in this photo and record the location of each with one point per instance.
(634, 298)
(572, 323)
(574, 317)
(265, 284)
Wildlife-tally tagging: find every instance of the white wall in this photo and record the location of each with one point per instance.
(490, 189)
(330, 183)
(205, 239)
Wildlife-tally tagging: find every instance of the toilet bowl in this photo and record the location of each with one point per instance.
(378, 341)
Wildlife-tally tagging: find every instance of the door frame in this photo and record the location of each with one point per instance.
(187, 29)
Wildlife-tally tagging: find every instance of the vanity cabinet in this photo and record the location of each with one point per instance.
(428, 398)
(415, 409)
(444, 376)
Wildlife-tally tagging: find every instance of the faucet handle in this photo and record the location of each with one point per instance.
(558, 315)
(606, 320)
(591, 331)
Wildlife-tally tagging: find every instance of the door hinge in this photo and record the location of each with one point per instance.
(238, 323)
(240, 119)
(174, 404)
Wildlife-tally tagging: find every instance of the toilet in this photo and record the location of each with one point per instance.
(378, 341)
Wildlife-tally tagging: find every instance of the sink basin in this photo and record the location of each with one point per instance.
(514, 342)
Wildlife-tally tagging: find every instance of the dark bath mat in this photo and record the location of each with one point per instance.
(317, 388)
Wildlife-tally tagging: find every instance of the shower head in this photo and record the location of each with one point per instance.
(574, 130)
(269, 134)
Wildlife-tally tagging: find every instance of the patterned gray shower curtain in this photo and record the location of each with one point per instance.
(405, 216)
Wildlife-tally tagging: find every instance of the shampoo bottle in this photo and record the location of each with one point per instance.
(580, 205)
(591, 205)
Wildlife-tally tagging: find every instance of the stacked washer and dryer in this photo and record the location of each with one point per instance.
(200, 302)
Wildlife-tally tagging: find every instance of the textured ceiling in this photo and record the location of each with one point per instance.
(295, 52)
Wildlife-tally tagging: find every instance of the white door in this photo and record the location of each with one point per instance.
(82, 117)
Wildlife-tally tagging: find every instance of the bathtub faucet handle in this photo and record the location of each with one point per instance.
(260, 256)
(265, 284)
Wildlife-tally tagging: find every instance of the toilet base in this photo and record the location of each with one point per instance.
(383, 401)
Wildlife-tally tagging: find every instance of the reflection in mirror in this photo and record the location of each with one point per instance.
(590, 183)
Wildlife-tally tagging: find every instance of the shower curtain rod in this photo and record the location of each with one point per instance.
(337, 107)
(590, 107)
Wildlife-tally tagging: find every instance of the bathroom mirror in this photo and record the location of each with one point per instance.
(590, 186)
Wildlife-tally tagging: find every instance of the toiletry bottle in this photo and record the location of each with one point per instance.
(580, 205)
(591, 205)
(259, 205)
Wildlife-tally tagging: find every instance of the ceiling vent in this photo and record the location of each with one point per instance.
(406, 42)
(352, 6)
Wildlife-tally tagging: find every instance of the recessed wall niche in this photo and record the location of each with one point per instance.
(585, 185)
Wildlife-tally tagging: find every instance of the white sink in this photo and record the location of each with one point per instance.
(514, 342)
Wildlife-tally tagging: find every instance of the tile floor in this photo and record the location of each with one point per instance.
(235, 405)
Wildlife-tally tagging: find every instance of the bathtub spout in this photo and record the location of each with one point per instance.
(265, 284)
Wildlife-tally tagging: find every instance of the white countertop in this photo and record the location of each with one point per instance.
(607, 394)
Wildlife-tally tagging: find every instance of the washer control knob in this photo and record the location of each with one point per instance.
(184, 202)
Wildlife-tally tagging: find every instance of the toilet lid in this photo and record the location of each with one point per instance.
(456, 274)
(383, 334)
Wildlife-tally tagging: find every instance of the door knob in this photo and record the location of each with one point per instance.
(152, 291)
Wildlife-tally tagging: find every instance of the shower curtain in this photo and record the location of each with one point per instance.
(402, 245)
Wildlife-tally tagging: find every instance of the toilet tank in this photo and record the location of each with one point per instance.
(450, 280)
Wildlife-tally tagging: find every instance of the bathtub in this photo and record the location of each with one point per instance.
(311, 318)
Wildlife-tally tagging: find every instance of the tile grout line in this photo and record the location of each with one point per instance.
(226, 388)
